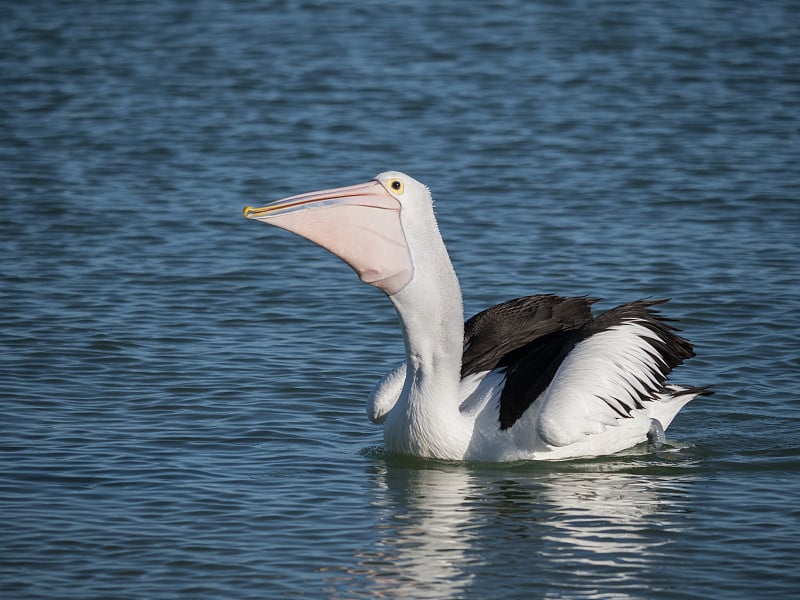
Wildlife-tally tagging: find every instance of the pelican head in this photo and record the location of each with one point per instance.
(366, 225)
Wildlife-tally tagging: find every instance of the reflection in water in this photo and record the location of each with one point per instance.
(446, 530)
(602, 521)
(424, 533)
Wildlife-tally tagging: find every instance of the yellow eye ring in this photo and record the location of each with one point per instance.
(395, 185)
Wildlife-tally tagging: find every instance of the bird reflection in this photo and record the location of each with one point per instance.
(442, 530)
(425, 533)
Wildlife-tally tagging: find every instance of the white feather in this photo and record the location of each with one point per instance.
(601, 369)
(385, 394)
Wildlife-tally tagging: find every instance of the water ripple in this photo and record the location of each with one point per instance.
(183, 391)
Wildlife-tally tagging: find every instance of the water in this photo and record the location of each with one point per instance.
(183, 390)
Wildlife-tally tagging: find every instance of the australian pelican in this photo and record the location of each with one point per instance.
(534, 378)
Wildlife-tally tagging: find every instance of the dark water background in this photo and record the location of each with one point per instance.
(182, 391)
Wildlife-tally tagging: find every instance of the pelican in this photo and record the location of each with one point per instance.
(534, 378)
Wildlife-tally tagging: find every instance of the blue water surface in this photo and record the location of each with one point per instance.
(183, 391)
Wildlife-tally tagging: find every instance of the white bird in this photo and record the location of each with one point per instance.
(535, 378)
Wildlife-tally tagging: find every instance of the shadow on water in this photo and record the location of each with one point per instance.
(447, 529)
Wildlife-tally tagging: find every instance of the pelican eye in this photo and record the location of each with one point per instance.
(396, 185)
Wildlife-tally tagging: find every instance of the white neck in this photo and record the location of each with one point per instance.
(424, 420)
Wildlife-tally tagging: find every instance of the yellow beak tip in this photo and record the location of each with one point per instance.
(248, 210)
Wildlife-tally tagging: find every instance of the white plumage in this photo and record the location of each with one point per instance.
(554, 383)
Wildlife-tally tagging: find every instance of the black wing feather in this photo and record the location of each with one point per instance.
(494, 337)
(531, 336)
